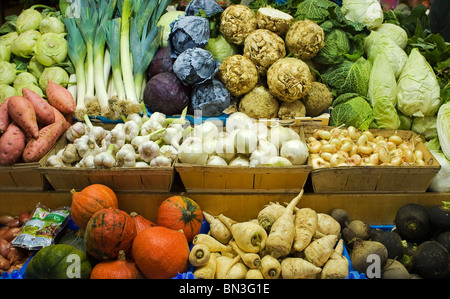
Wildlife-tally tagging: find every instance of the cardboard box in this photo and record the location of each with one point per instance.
(148, 179)
(389, 179)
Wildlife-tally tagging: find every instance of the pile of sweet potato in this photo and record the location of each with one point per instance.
(31, 125)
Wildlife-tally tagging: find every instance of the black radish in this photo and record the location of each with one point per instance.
(431, 261)
(412, 222)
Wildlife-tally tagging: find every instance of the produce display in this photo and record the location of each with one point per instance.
(110, 84)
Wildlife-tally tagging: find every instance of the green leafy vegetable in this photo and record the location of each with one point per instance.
(51, 48)
(349, 76)
(443, 128)
(368, 12)
(351, 109)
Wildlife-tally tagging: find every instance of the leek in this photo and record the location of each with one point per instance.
(125, 60)
(77, 54)
(87, 24)
(112, 32)
(105, 12)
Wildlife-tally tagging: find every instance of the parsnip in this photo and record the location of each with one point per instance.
(298, 268)
(211, 243)
(326, 225)
(254, 273)
(230, 268)
(249, 236)
(199, 255)
(269, 214)
(217, 228)
(281, 236)
(320, 250)
(335, 268)
(270, 267)
(207, 271)
(251, 260)
(305, 227)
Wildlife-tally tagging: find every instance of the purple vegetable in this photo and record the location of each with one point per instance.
(165, 93)
(195, 66)
(210, 7)
(211, 98)
(188, 32)
(161, 62)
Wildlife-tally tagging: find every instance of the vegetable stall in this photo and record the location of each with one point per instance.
(268, 140)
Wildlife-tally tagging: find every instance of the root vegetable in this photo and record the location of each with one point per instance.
(361, 251)
(199, 255)
(341, 216)
(319, 251)
(211, 243)
(23, 114)
(395, 270)
(270, 267)
(4, 263)
(254, 274)
(251, 260)
(12, 144)
(4, 219)
(335, 268)
(217, 228)
(230, 268)
(44, 112)
(281, 236)
(207, 271)
(24, 216)
(431, 260)
(48, 135)
(11, 233)
(393, 243)
(5, 247)
(60, 98)
(249, 236)
(305, 227)
(326, 225)
(270, 213)
(298, 268)
(359, 228)
(4, 116)
(412, 222)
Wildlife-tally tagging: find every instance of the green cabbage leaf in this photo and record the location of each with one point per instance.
(351, 109)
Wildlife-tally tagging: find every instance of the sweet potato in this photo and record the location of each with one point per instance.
(44, 111)
(4, 116)
(48, 135)
(12, 144)
(23, 114)
(60, 98)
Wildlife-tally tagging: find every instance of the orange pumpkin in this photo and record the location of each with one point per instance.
(181, 212)
(141, 222)
(90, 200)
(160, 252)
(122, 268)
(107, 232)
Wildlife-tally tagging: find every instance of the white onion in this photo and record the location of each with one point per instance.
(263, 153)
(191, 151)
(246, 141)
(279, 134)
(225, 147)
(206, 130)
(279, 161)
(209, 146)
(216, 160)
(237, 121)
(239, 161)
(295, 151)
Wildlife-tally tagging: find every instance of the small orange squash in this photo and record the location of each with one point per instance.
(107, 232)
(122, 268)
(141, 222)
(90, 200)
(160, 252)
(181, 212)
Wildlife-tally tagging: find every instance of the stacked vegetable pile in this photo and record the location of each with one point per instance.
(417, 246)
(31, 125)
(283, 242)
(140, 141)
(114, 244)
(351, 147)
(242, 142)
(12, 258)
(33, 50)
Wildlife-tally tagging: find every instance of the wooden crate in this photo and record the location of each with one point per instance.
(242, 179)
(389, 179)
(148, 179)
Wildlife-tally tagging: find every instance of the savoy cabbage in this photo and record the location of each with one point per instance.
(351, 109)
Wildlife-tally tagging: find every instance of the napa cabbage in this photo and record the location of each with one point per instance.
(418, 92)
(382, 94)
